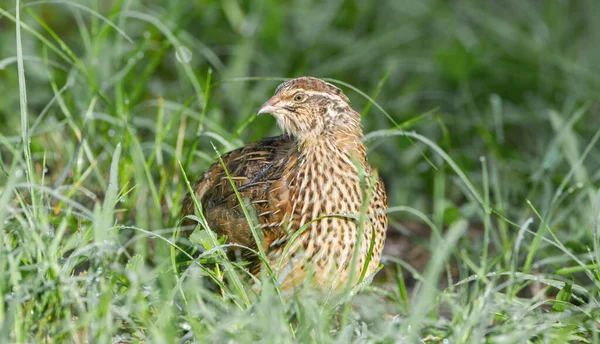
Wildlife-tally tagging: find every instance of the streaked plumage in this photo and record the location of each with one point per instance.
(314, 178)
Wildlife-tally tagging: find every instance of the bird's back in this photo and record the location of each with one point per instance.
(254, 169)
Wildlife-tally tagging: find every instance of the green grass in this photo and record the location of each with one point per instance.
(482, 117)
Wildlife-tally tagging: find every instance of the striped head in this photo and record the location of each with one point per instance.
(309, 108)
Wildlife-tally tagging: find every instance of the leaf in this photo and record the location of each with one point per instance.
(451, 215)
(564, 296)
(203, 238)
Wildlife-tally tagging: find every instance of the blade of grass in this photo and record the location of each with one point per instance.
(23, 110)
(215, 243)
(424, 300)
(102, 224)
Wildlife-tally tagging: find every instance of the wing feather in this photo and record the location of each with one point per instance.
(255, 169)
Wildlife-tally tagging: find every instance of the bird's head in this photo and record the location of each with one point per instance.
(310, 108)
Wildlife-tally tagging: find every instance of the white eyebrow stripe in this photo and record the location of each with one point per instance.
(327, 95)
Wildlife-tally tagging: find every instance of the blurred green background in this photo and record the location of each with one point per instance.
(490, 71)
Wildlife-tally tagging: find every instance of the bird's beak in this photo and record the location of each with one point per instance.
(266, 108)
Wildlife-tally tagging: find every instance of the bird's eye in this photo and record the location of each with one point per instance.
(299, 97)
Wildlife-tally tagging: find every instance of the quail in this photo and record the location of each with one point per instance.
(320, 206)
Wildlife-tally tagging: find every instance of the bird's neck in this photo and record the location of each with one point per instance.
(330, 147)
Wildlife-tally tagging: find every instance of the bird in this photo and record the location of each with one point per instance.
(320, 207)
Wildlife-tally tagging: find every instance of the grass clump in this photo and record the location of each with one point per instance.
(481, 117)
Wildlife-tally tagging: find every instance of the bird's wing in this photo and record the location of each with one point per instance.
(257, 171)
